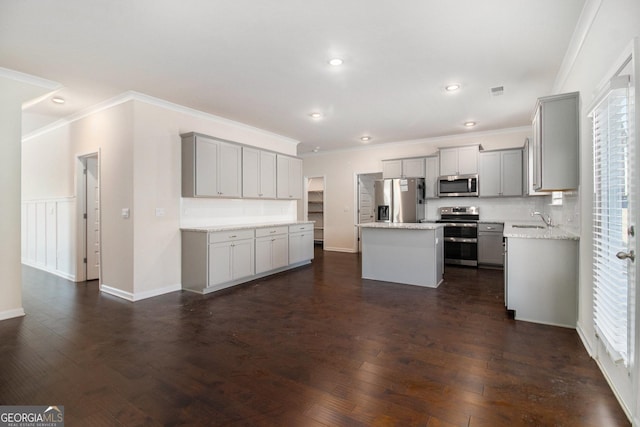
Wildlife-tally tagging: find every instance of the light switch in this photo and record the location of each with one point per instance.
(160, 212)
(125, 213)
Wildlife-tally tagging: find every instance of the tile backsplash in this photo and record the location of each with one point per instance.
(211, 212)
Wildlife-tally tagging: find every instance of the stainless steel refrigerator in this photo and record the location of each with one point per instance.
(399, 200)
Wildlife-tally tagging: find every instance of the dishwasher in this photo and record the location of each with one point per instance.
(490, 248)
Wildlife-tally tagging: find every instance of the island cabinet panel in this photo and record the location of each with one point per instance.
(258, 174)
(412, 256)
(210, 167)
(289, 177)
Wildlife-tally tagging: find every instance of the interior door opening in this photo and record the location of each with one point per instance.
(315, 208)
(366, 201)
(91, 217)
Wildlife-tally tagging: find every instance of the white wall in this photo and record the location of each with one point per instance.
(49, 172)
(157, 185)
(340, 169)
(15, 88)
(138, 139)
(615, 24)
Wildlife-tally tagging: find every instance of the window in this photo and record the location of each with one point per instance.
(613, 285)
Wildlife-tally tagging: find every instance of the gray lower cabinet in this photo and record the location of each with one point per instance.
(300, 243)
(272, 248)
(214, 260)
(541, 280)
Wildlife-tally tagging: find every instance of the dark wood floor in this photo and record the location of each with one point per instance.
(315, 346)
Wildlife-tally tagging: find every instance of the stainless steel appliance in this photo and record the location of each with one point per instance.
(458, 186)
(460, 234)
(399, 200)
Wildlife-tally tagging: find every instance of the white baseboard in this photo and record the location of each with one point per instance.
(347, 250)
(613, 388)
(10, 314)
(116, 292)
(585, 342)
(156, 292)
(44, 268)
(133, 297)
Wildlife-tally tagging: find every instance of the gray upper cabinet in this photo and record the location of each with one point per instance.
(459, 160)
(404, 168)
(289, 177)
(258, 174)
(555, 143)
(210, 167)
(432, 172)
(500, 173)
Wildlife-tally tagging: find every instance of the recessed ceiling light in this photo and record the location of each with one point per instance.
(335, 61)
(365, 138)
(315, 115)
(469, 124)
(58, 100)
(452, 87)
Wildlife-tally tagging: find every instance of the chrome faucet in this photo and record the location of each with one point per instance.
(547, 219)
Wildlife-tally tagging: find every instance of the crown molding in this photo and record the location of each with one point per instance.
(583, 26)
(161, 103)
(29, 79)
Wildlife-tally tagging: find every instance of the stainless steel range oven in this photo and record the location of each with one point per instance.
(460, 234)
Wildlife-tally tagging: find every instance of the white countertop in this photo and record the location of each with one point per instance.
(401, 225)
(215, 228)
(554, 233)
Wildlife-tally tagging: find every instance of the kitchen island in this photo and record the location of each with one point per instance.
(407, 253)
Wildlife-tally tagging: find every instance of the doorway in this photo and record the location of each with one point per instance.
(89, 205)
(366, 201)
(315, 208)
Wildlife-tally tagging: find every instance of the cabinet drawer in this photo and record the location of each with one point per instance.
(300, 227)
(271, 231)
(226, 236)
(490, 226)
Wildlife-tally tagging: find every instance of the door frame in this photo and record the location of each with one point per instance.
(356, 204)
(81, 226)
(305, 203)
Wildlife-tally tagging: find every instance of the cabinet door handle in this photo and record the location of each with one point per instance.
(234, 236)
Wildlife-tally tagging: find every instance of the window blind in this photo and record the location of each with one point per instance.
(611, 219)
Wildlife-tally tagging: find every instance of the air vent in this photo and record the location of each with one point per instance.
(497, 91)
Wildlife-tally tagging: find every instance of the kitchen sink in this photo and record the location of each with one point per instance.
(536, 227)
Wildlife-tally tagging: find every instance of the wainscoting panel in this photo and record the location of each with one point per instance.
(48, 235)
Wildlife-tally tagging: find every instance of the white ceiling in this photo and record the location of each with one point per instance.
(264, 62)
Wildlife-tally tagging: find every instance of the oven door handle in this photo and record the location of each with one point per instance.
(460, 240)
(461, 224)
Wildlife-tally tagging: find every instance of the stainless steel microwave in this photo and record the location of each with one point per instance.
(458, 186)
